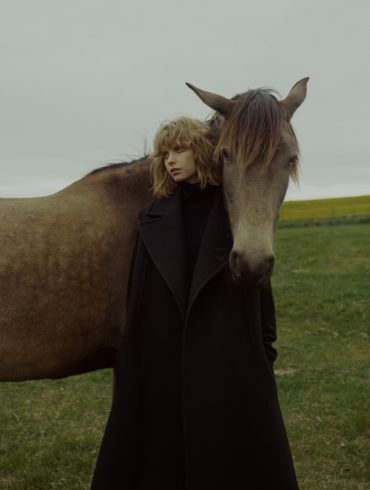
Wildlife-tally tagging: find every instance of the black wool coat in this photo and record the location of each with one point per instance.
(195, 405)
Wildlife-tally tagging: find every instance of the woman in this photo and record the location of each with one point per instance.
(195, 404)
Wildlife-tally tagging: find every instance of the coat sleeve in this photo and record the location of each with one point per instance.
(268, 321)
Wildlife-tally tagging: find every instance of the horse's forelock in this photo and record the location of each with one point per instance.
(253, 129)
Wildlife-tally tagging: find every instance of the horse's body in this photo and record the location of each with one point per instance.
(65, 258)
(64, 269)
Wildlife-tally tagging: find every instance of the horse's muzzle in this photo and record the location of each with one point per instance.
(255, 270)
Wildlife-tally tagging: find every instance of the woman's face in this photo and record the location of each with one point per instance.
(180, 164)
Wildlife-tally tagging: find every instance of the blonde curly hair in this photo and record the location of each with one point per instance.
(186, 132)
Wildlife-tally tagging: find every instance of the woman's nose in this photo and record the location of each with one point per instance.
(171, 158)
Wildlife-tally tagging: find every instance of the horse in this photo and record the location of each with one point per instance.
(259, 153)
(66, 257)
(64, 270)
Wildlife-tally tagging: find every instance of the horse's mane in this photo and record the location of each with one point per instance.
(253, 129)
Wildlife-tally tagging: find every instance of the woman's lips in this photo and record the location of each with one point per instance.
(174, 171)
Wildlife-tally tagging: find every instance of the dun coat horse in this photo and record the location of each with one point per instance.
(65, 258)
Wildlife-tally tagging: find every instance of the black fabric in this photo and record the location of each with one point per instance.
(197, 203)
(196, 405)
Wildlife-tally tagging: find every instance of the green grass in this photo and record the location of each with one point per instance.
(51, 430)
(318, 212)
(326, 208)
(322, 292)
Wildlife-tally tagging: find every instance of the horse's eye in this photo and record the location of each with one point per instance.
(292, 162)
(225, 155)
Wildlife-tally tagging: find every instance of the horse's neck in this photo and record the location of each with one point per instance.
(122, 182)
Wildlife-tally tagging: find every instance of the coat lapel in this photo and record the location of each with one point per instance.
(162, 230)
(214, 249)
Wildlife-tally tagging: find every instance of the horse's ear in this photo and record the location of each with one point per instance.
(295, 97)
(217, 102)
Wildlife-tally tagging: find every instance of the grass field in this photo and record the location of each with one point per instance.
(341, 210)
(51, 430)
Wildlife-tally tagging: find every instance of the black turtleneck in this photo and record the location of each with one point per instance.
(197, 204)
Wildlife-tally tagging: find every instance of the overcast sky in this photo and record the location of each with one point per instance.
(86, 82)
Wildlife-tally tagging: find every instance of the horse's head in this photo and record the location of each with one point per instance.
(259, 152)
